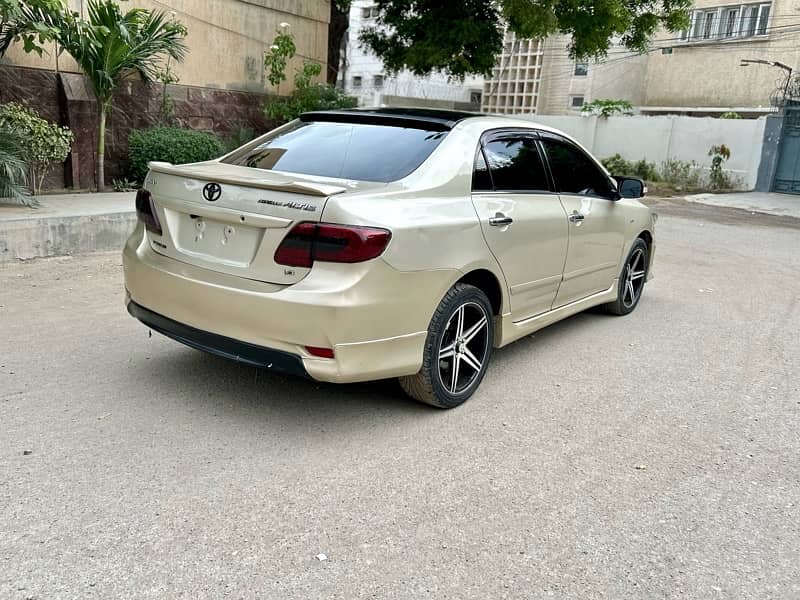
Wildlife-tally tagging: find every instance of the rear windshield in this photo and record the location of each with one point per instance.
(342, 150)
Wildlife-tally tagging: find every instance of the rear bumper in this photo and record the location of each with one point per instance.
(250, 354)
(374, 317)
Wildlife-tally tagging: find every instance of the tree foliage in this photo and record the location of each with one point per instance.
(607, 108)
(277, 58)
(32, 22)
(463, 38)
(43, 143)
(308, 96)
(112, 45)
(12, 166)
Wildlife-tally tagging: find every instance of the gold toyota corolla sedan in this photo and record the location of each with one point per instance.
(364, 244)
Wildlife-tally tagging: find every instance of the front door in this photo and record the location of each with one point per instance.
(523, 221)
(596, 223)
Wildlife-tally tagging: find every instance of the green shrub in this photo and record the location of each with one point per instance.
(646, 170)
(240, 134)
(12, 166)
(170, 144)
(681, 174)
(607, 108)
(44, 143)
(308, 96)
(718, 177)
(617, 165)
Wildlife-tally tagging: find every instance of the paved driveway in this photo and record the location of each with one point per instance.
(651, 456)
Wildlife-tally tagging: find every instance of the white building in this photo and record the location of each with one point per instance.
(362, 75)
(539, 76)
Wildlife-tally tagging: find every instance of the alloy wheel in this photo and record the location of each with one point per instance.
(634, 278)
(464, 347)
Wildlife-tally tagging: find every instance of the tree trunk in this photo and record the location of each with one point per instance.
(101, 152)
(337, 29)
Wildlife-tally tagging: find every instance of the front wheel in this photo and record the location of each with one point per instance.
(457, 349)
(631, 280)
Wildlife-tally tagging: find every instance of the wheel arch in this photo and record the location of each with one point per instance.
(486, 281)
(647, 237)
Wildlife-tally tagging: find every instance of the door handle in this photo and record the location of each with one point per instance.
(576, 217)
(500, 220)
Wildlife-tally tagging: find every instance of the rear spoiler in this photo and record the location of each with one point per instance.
(264, 180)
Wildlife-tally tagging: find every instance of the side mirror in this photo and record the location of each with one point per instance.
(630, 187)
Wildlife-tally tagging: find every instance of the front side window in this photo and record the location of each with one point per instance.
(515, 164)
(573, 171)
(360, 152)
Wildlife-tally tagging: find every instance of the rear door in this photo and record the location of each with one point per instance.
(522, 219)
(596, 221)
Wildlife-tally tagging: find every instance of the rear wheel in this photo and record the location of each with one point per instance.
(457, 349)
(631, 280)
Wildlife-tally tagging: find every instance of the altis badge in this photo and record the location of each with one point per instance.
(295, 205)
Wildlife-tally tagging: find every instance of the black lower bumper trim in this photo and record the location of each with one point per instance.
(243, 352)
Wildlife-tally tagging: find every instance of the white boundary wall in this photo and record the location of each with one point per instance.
(659, 138)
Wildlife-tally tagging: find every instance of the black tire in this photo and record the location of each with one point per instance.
(631, 280)
(428, 386)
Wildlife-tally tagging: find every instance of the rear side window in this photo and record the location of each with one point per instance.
(515, 164)
(573, 171)
(361, 152)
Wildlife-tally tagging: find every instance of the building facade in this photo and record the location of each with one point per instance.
(539, 76)
(700, 71)
(221, 82)
(362, 75)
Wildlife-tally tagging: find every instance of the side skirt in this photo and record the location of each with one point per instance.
(511, 331)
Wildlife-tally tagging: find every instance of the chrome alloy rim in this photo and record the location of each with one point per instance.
(634, 278)
(464, 346)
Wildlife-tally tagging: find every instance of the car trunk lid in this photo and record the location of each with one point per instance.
(231, 219)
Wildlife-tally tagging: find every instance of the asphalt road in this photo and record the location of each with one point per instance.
(650, 456)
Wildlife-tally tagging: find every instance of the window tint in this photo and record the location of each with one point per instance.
(515, 164)
(481, 180)
(573, 171)
(342, 150)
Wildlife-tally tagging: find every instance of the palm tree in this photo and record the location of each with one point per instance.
(12, 167)
(111, 46)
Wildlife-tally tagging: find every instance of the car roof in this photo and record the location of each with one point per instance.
(430, 118)
(438, 119)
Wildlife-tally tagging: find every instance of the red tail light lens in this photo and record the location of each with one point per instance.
(327, 242)
(321, 352)
(146, 212)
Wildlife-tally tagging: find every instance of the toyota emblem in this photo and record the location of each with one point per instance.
(212, 192)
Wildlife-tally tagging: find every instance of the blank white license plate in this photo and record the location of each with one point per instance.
(218, 241)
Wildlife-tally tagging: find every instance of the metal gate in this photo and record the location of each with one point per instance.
(787, 175)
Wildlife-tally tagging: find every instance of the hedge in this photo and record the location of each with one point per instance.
(170, 144)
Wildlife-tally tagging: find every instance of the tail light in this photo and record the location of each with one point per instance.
(320, 352)
(146, 212)
(308, 242)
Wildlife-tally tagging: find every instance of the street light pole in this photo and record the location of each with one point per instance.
(772, 63)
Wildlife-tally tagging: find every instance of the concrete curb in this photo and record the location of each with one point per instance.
(23, 239)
